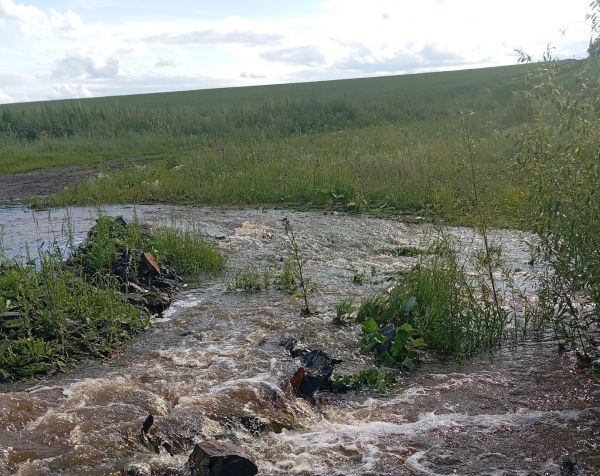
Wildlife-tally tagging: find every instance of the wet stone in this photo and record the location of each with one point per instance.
(220, 458)
(314, 375)
(389, 332)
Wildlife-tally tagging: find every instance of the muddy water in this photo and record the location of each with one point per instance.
(213, 364)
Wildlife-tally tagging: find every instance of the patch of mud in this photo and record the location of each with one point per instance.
(37, 183)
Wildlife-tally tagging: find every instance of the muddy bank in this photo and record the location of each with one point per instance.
(207, 370)
(37, 183)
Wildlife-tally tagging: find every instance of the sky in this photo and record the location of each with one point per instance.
(56, 49)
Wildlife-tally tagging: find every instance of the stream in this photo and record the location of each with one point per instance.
(212, 368)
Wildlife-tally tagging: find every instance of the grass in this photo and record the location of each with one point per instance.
(385, 145)
(454, 312)
(250, 279)
(55, 318)
(112, 240)
(57, 312)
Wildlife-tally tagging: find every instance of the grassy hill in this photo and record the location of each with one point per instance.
(386, 143)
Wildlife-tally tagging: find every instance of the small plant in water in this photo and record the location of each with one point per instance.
(306, 285)
(343, 312)
(250, 279)
(372, 378)
(358, 277)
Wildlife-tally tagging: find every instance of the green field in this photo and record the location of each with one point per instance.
(388, 144)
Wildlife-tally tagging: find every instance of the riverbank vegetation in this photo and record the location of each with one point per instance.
(54, 312)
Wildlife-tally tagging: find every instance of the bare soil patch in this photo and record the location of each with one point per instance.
(21, 186)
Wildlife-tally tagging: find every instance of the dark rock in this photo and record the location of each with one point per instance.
(319, 363)
(389, 332)
(314, 375)
(156, 301)
(299, 352)
(253, 424)
(148, 422)
(288, 343)
(568, 467)
(120, 221)
(220, 458)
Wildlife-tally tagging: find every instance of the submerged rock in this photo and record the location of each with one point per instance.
(314, 375)
(220, 458)
(138, 469)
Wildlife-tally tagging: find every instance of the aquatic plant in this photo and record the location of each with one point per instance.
(343, 312)
(54, 312)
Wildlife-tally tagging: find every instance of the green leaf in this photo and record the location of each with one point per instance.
(408, 363)
(419, 342)
(370, 326)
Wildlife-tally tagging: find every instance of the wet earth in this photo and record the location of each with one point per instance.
(21, 186)
(212, 368)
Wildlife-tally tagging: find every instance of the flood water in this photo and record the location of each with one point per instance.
(213, 364)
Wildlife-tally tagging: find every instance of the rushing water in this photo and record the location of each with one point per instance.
(213, 363)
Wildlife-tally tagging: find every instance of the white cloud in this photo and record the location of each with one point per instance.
(247, 75)
(164, 63)
(213, 36)
(301, 55)
(5, 98)
(70, 91)
(35, 22)
(76, 67)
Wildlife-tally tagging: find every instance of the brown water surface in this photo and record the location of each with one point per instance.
(213, 363)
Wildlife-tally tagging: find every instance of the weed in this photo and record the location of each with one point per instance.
(250, 279)
(289, 278)
(306, 286)
(343, 312)
(454, 312)
(372, 378)
(393, 346)
(53, 318)
(358, 277)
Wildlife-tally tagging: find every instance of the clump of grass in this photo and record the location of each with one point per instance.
(372, 378)
(343, 312)
(359, 277)
(251, 279)
(455, 313)
(186, 250)
(54, 312)
(49, 318)
(288, 280)
(112, 241)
